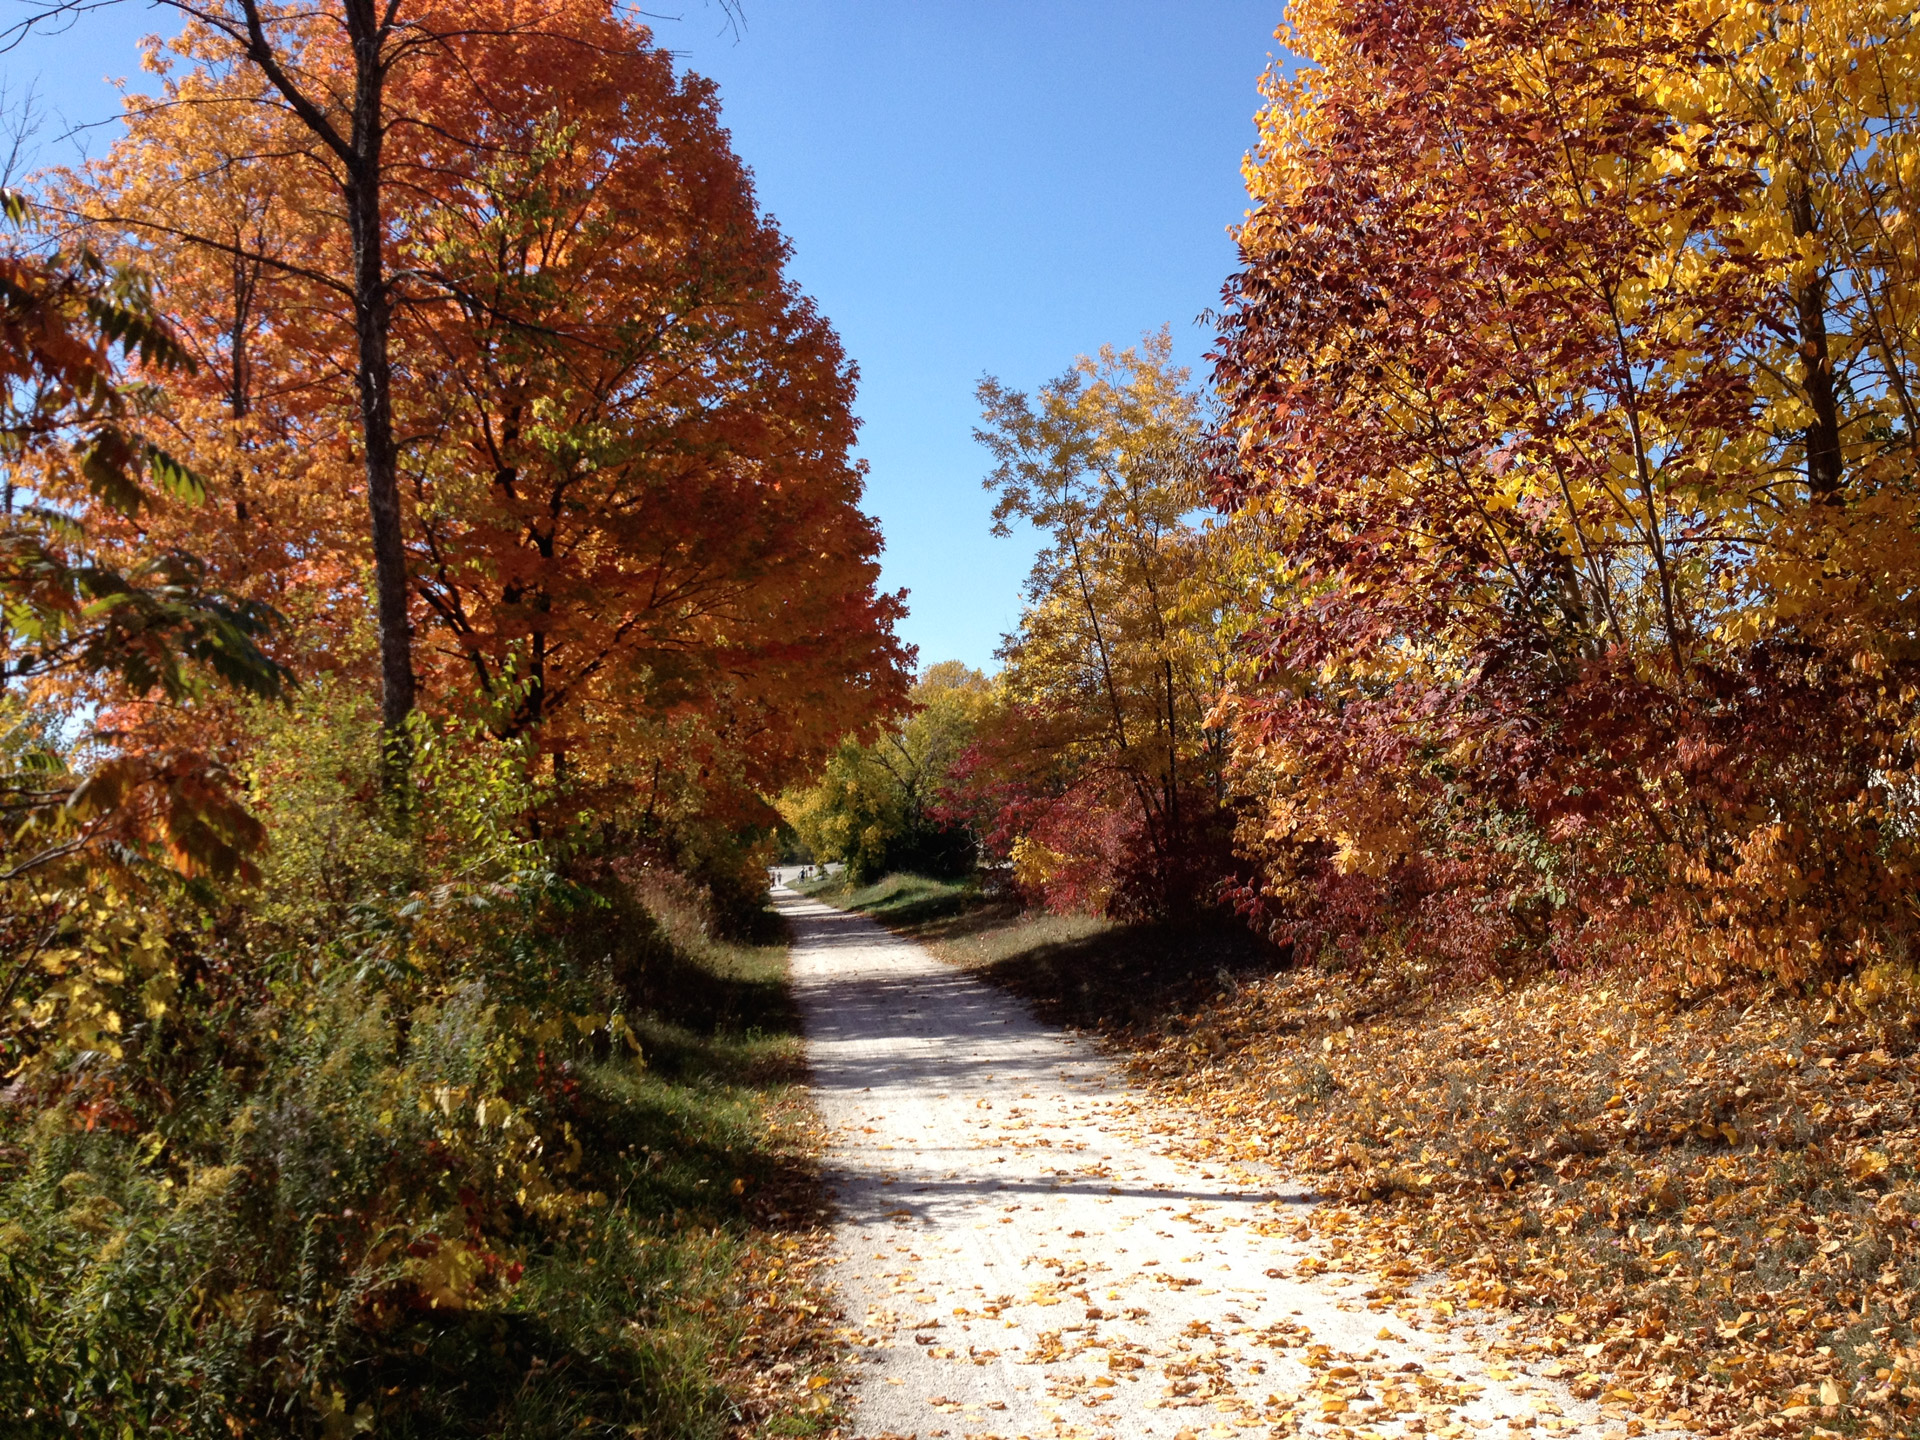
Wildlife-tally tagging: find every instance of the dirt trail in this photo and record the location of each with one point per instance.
(1017, 1257)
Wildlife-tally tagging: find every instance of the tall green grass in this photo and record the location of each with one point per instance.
(331, 1251)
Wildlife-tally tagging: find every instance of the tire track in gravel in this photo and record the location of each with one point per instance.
(1015, 1256)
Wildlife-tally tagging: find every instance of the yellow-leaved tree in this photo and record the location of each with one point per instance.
(1102, 775)
(1569, 375)
(888, 803)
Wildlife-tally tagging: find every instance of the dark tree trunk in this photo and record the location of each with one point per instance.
(1822, 437)
(372, 313)
(359, 155)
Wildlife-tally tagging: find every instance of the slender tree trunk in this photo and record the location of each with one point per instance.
(369, 25)
(372, 314)
(1176, 840)
(1099, 643)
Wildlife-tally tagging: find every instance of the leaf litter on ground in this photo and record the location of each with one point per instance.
(1696, 1208)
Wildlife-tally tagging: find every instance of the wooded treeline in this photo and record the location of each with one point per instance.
(1534, 583)
(429, 532)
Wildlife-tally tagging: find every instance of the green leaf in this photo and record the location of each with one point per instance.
(175, 478)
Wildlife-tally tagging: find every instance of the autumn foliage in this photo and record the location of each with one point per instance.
(626, 487)
(1562, 437)
(1099, 778)
(391, 1034)
(894, 801)
(1554, 637)
(1570, 374)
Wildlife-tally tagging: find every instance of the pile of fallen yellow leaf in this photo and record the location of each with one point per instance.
(1702, 1208)
(1705, 1210)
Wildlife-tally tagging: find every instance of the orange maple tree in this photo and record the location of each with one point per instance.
(627, 491)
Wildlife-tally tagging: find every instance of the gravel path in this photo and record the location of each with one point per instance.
(1016, 1256)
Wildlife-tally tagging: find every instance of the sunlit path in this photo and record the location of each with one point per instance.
(1016, 1260)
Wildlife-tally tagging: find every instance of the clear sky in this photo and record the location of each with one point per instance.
(971, 187)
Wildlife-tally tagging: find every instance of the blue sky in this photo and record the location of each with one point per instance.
(971, 187)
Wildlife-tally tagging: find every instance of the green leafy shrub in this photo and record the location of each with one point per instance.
(433, 1138)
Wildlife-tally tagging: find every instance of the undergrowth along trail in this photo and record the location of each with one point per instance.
(315, 1246)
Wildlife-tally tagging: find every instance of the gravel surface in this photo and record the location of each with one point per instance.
(1017, 1256)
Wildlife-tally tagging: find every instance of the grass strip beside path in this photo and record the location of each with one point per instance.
(723, 1156)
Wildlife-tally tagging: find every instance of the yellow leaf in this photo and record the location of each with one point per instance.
(1866, 1165)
